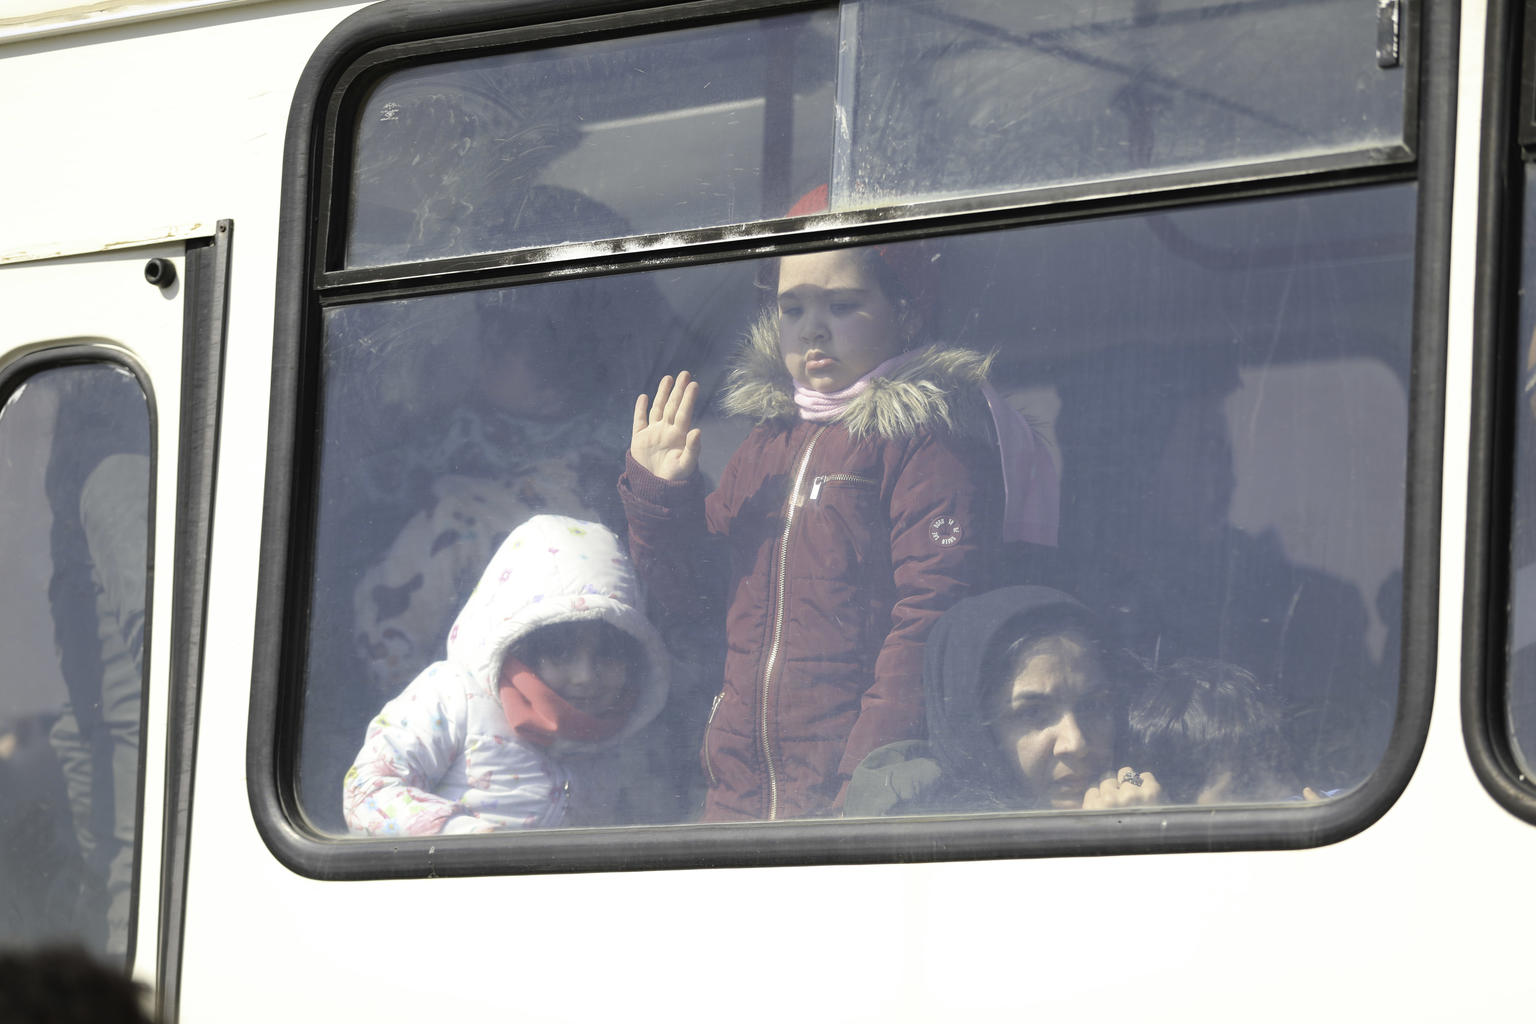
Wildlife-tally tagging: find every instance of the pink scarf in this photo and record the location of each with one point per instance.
(1031, 481)
(820, 408)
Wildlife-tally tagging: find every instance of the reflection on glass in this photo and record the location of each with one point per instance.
(720, 125)
(955, 97)
(74, 483)
(1521, 695)
(674, 130)
(1078, 515)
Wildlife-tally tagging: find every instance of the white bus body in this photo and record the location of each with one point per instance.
(146, 127)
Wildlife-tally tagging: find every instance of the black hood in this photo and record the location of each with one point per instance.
(976, 775)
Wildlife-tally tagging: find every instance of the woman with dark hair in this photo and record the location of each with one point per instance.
(1025, 710)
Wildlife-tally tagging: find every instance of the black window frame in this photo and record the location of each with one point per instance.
(1508, 147)
(309, 280)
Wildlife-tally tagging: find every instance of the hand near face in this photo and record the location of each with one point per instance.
(1125, 788)
(664, 439)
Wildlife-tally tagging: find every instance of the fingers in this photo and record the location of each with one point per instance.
(674, 400)
(663, 393)
(678, 400)
(641, 418)
(690, 395)
(694, 443)
(1151, 791)
(1126, 788)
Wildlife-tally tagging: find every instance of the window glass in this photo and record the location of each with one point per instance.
(962, 96)
(74, 498)
(720, 125)
(1521, 690)
(680, 129)
(1189, 448)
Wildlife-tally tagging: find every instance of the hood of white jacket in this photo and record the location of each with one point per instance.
(939, 389)
(558, 569)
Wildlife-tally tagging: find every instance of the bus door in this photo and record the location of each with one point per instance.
(108, 377)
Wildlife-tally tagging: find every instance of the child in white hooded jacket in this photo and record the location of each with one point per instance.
(551, 656)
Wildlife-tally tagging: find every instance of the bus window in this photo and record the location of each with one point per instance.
(969, 503)
(1520, 692)
(694, 127)
(963, 96)
(1500, 678)
(74, 483)
(725, 124)
(1218, 397)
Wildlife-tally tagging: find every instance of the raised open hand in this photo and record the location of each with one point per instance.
(664, 440)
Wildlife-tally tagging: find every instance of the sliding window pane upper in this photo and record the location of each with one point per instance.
(967, 96)
(726, 124)
(662, 132)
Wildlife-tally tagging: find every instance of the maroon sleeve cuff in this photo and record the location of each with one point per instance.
(648, 494)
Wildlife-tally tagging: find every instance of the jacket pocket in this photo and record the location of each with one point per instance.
(839, 480)
(846, 533)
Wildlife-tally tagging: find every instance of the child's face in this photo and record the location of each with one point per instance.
(584, 669)
(835, 322)
(1055, 721)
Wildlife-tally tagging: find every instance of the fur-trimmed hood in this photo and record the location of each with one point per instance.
(941, 388)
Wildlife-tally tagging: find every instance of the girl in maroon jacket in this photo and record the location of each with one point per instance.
(867, 500)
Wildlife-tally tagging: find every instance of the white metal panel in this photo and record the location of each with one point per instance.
(104, 298)
(1418, 918)
(28, 19)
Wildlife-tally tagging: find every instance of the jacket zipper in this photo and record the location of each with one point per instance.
(709, 768)
(838, 478)
(778, 619)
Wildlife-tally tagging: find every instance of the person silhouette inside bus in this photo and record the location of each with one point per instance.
(463, 417)
(1148, 483)
(866, 501)
(1025, 711)
(98, 487)
(1214, 734)
(551, 660)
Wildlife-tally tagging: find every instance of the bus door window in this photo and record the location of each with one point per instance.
(74, 477)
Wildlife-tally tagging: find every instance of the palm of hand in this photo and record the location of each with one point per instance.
(664, 439)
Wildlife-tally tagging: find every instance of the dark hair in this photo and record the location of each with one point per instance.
(1201, 714)
(65, 985)
(559, 639)
(1006, 659)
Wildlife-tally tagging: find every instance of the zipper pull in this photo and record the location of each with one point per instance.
(816, 487)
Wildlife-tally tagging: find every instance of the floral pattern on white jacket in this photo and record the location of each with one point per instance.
(441, 757)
